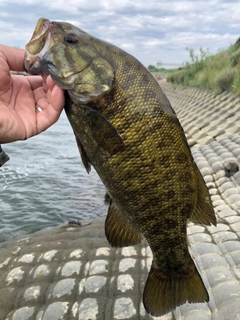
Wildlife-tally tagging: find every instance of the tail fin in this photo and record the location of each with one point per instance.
(163, 294)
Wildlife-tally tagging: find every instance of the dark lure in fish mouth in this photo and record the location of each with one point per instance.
(127, 130)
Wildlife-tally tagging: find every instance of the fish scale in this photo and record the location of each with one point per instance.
(127, 130)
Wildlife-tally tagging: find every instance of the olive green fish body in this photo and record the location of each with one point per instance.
(152, 180)
(125, 127)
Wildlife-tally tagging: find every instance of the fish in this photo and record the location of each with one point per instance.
(126, 128)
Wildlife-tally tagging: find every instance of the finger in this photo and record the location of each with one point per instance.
(40, 97)
(35, 82)
(13, 56)
(57, 98)
(51, 111)
(48, 83)
(45, 99)
(53, 99)
(46, 118)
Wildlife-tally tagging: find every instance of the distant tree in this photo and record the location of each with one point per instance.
(152, 68)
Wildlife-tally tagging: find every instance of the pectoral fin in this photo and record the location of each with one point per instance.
(119, 231)
(84, 157)
(203, 213)
(103, 132)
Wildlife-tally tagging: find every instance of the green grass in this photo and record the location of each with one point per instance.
(160, 72)
(219, 72)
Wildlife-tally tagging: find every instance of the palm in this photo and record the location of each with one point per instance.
(19, 96)
(17, 107)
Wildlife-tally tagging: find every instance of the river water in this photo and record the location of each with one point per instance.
(45, 184)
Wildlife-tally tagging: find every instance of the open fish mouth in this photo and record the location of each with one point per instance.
(38, 51)
(39, 37)
(39, 44)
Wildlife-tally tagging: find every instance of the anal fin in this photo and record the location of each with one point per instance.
(119, 231)
(203, 212)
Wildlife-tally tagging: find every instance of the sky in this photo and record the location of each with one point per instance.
(151, 30)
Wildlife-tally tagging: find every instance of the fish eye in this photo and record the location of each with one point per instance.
(71, 38)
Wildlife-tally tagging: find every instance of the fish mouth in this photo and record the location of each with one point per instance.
(40, 53)
(38, 45)
(39, 37)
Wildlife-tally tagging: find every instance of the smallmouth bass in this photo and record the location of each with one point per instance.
(127, 130)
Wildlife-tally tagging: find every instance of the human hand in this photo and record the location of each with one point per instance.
(19, 97)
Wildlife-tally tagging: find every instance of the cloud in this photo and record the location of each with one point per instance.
(150, 30)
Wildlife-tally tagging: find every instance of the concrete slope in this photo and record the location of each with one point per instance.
(70, 272)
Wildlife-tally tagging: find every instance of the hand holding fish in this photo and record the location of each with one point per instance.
(22, 97)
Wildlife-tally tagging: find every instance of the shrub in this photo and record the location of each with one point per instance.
(220, 72)
(235, 57)
(225, 78)
(236, 83)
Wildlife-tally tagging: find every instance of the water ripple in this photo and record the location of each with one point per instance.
(45, 184)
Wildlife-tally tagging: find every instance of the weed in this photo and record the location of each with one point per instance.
(225, 78)
(220, 72)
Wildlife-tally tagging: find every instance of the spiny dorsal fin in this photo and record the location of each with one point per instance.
(204, 212)
(84, 157)
(163, 292)
(119, 231)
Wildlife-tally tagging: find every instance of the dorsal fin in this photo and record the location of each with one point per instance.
(204, 212)
(119, 231)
